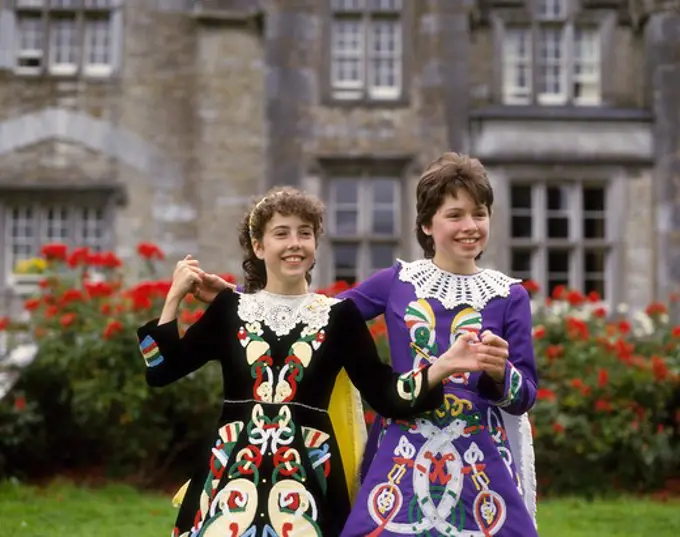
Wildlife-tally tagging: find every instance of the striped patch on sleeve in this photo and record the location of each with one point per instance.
(149, 348)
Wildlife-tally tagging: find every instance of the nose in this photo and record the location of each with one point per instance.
(469, 223)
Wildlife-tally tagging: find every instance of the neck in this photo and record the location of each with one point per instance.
(287, 288)
(456, 266)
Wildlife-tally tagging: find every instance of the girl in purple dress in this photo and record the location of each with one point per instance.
(466, 468)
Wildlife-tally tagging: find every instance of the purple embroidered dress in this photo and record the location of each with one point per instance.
(452, 471)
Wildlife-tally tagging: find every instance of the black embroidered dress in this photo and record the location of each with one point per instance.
(275, 469)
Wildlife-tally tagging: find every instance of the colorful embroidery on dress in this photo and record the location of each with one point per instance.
(513, 389)
(150, 352)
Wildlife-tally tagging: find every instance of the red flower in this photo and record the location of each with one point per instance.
(602, 378)
(148, 250)
(655, 309)
(659, 368)
(577, 329)
(99, 289)
(54, 252)
(558, 428)
(20, 403)
(579, 385)
(32, 304)
(575, 298)
(71, 295)
(105, 309)
(51, 311)
(554, 351)
(594, 297)
(110, 260)
(4, 323)
(67, 319)
(558, 292)
(600, 312)
(531, 286)
(544, 394)
(539, 332)
(675, 332)
(112, 329)
(624, 327)
(602, 405)
(79, 256)
(44, 283)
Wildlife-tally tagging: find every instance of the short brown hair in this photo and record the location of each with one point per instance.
(447, 175)
(285, 201)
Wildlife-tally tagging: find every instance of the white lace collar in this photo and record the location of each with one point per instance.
(282, 313)
(475, 290)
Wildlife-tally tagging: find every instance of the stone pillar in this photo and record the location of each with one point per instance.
(292, 29)
(662, 54)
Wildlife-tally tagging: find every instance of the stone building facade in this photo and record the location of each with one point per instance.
(159, 120)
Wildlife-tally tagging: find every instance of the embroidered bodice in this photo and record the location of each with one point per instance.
(452, 290)
(282, 313)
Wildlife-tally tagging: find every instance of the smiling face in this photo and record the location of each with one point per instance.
(288, 249)
(460, 231)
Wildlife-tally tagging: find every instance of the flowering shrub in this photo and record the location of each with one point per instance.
(607, 410)
(83, 401)
(606, 416)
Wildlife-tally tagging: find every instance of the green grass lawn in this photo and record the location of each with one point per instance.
(65, 510)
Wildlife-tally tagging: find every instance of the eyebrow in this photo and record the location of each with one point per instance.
(287, 228)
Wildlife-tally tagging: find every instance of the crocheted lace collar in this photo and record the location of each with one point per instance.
(282, 313)
(452, 290)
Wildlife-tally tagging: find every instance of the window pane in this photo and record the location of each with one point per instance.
(382, 256)
(64, 41)
(521, 227)
(557, 198)
(384, 222)
(594, 228)
(21, 234)
(346, 223)
(345, 191)
(558, 268)
(386, 5)
(56, 224)
(348, 5)
(385, 53)
(552, 9)
(520, 263)
(551, 61)
(517, 55)
(595, 261)
(521, 197)
(98, 41)
(594, 199)
(384, 190)
(345, 262)
(347, 51)
(558, 228)
(92, 225)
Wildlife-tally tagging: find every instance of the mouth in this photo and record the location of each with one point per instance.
(293, 259)
(473, 240)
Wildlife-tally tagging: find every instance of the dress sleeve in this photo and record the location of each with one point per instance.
(371, 295)
(391, 394)
(169, 357)
(518, 393)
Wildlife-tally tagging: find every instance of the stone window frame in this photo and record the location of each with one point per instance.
(80, 12)
(522, 13)
(363, 169)
(40, 199)
(574, 179)
(330, 98)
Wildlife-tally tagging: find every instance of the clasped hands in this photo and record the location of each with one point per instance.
(471, 352)
(188, 277)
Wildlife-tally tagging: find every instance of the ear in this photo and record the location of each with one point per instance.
(426, 229)
(258, 249)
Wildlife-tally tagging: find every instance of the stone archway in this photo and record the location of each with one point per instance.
(95, 134)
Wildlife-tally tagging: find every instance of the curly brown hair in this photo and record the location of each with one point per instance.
(286, 201)
(447, 175)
